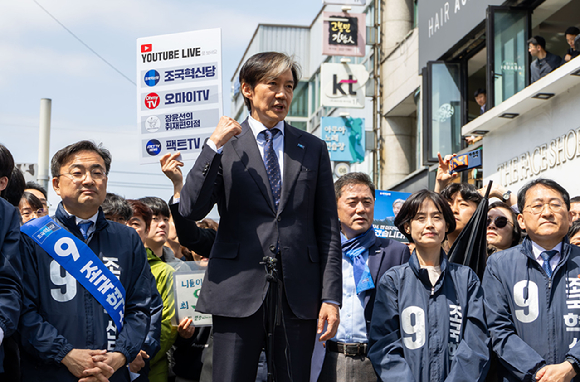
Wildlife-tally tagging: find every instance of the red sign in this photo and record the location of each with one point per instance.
(146, 48)
(151, 100)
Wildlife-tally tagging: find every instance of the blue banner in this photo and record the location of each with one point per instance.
(345, 138)
(81, 263)
(387, 206)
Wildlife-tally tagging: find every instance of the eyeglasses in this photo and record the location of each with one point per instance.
(537, 208)
(499, 221)
(78, 175)
(26, 214)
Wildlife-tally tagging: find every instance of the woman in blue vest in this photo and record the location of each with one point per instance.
(428, 322)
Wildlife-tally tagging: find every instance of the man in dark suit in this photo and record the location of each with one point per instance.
(365, 258)
(10, 274)
(273, 186)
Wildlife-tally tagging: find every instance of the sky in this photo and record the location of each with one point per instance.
(91, 100)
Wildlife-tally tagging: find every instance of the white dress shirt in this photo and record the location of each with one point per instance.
(91, 228)
(537, 250)
(353, 326)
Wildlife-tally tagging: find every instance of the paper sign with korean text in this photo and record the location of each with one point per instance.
(187, 286)
(179, 92)
(387, 206)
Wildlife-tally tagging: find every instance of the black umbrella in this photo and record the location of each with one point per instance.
(470, 247)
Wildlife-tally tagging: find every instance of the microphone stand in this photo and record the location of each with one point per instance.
(270, 264)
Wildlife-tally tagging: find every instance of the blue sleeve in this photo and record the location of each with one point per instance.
(386, 347)
(514, 354)
(152, 342)
(471, 361)
(137, 303)
(406, 254)
(10, 270)
(38, 337)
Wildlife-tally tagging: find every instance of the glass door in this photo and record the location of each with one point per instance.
(508, 60)
(442, 109)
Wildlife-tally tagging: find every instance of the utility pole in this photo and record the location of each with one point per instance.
(44, 142)
(377, 99)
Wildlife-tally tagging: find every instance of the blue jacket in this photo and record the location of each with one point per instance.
(533, 320)
(428, 334)
(59, 314)
(10, 271)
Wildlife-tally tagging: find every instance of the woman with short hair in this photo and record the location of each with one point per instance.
(428, 321)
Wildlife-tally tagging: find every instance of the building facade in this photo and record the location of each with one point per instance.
(306, 111)
(525, 130)
(433, 56)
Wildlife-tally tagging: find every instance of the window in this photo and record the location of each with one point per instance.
(302, 125)
(315, 98)
(442, 116)
(299, 106)
(508, 62)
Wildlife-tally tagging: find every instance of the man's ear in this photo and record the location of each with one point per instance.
(521, 221)
(56, 185)
(3, 183)
(247, 90)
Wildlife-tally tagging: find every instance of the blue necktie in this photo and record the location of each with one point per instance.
(84, 227)
(271, 163)
(547, 256)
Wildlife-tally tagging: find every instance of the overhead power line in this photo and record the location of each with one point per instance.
(136, 173)
(140, 185)
(82, 42)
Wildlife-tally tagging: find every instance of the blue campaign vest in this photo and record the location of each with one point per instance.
(82, 263)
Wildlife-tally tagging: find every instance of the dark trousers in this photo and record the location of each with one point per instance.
(239, 341)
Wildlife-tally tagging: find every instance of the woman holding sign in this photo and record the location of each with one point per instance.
(428, 322)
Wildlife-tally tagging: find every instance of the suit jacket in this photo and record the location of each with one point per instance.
(305, 224)
(383, 255)
(10, 272)
(198, 240)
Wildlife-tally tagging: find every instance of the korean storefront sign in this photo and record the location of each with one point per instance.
(343, 85)
(541, 158)
(443, 23)
(343, 34)
(179, 92)
(345, 138)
